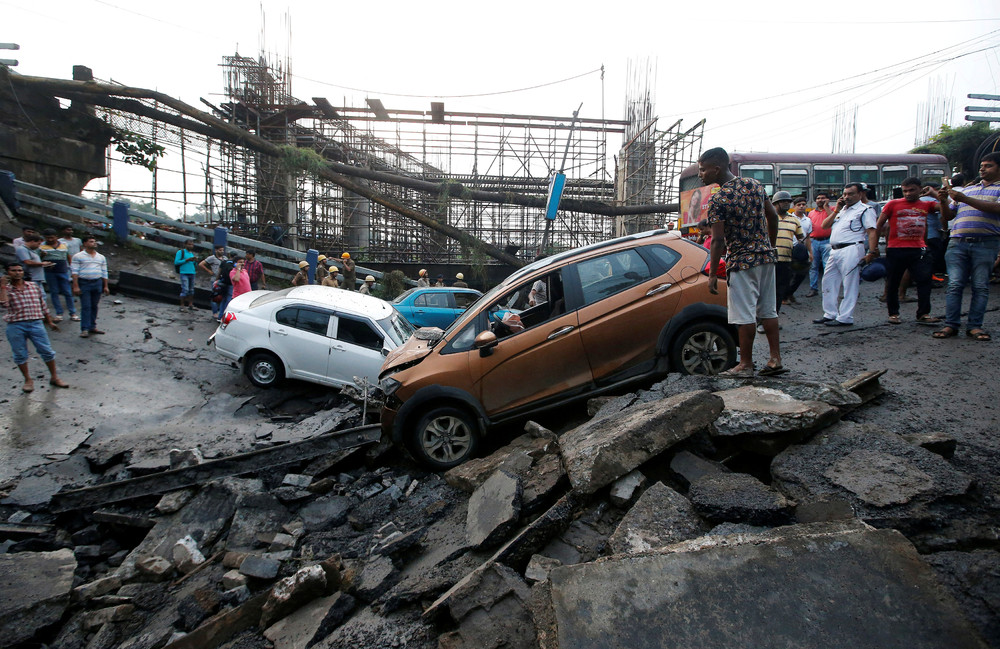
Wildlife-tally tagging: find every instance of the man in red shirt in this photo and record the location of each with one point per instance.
(907, 249)
(820, 242)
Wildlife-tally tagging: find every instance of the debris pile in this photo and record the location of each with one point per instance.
(701, 512)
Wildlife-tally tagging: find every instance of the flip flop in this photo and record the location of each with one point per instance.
(979, 334)
(768, 370)
(734, 373)
(945, 332)
(26, 389)
(928, 320)
(894, 319)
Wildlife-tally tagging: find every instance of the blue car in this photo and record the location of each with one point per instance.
(435, 307)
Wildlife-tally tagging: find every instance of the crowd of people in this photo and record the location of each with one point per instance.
(771, 244)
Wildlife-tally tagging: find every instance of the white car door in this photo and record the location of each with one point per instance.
(301, 336)
(357, 350)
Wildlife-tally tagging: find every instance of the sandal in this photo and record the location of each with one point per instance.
(945, 332)
(772, 370)
(928, 319)
(894, 319)
(734, 373)
(979, 334)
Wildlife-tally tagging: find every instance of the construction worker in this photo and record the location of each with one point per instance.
(460, 281)
(423, 281)
(350, 274)
(321, 271)
(366, 288)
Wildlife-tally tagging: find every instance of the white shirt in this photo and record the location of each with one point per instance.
(807, 224)
(851, 224)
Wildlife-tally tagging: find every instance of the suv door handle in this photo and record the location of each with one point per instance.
(560, 332)
(658, 289)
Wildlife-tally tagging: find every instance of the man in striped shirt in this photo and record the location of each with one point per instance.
(90, 281)
(973, 247)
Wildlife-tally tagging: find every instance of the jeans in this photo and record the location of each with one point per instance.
(225, 300)
(821, 254)
(969, 263)
(59, 284)
(19, 333)
(90, 295)
(918, 262)
(187, 285)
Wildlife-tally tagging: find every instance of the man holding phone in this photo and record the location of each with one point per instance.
(26, 312)
(851, 223)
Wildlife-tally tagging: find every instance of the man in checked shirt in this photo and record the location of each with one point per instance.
(25, 308)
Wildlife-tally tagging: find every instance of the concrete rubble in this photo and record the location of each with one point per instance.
(700, 512)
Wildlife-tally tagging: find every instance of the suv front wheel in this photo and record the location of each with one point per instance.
(443, 437)
(704, 348)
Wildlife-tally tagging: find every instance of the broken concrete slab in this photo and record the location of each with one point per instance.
(155, 568)
(326, 512)
(292, 593)
(866, 385)
(539, 567)
(537, 534)
(233, 579)
(96, 588)
(660, 517)
(377, 577)
(494, 509)
(806, 586)
(311, 623)
(256, 513)
(222, 626)
(739, 498)
(688, 467)
(600, 451)
(481, 588)
(34, 591)
(830, 393)
(533, 457)
(755, 410)
(888, 482)
(624, 489)
(973, 579)
(260, 567)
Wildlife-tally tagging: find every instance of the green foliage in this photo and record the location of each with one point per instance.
(959, 145)
(136, 149)
(294, 159)
(393, 283)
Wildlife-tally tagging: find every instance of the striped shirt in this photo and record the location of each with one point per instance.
(25, 304)
(86, 266)
(971, 222)
(789, 229)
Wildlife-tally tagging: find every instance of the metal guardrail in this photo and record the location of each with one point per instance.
(281, 259)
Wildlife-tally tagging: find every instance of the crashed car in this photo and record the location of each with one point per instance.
(571, 326)
(314, 333)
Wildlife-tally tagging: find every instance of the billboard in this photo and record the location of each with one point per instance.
(694, 204)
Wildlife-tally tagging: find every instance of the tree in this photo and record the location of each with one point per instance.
(959, 146)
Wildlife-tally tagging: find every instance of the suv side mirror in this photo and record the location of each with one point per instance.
(485, 342)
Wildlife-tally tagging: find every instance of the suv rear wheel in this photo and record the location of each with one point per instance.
(704, 348)
(264, 369)
(443, 437)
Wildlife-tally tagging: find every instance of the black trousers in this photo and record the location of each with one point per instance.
(782, 282)
(918, 262)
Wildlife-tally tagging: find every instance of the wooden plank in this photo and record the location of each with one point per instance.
(164, 481)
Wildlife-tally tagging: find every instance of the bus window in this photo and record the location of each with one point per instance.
(794, 181)
(764, 174)
(932, 173)
(892, 176)
(829, 178)
(863, 174)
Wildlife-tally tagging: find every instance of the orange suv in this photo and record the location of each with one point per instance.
(570, 326)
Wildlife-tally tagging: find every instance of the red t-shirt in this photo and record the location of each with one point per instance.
(908, 222)
(819, 232)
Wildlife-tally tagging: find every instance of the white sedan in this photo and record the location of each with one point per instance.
(313, 333)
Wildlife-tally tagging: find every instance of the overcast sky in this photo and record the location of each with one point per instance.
(768, 76)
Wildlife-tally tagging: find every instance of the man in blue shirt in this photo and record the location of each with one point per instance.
(184, 263)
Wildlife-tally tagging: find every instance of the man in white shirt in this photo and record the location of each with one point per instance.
(90, 281)
(851, 224)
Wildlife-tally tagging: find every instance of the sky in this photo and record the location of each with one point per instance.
(767, 76)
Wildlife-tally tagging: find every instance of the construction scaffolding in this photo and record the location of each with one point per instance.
(487, 151)
(651, 160)
(280, 200)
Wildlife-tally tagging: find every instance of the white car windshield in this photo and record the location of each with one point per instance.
(397, 327)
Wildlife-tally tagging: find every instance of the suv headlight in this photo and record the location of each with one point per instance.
(389, 386)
